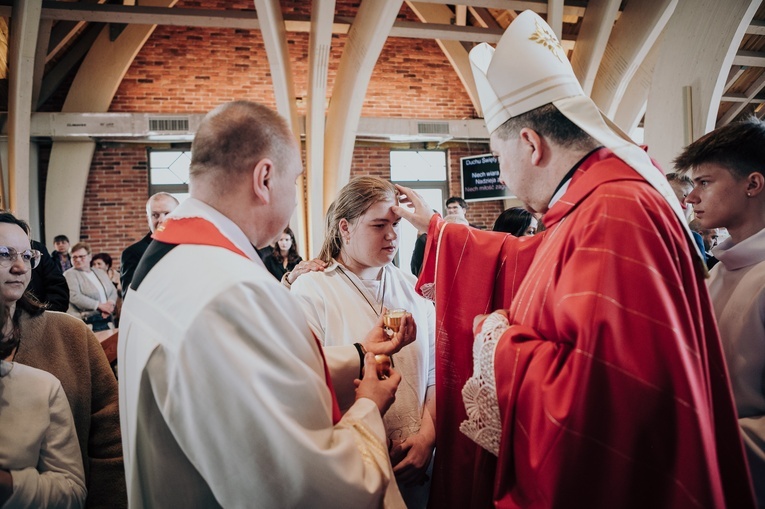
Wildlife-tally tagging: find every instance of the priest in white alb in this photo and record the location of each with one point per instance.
(225, 396)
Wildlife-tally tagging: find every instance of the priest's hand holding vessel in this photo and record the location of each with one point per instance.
(382, 391)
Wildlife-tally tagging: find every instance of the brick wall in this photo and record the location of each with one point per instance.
(191, 70)
(114, 213)
(184, 69)
(373, 160)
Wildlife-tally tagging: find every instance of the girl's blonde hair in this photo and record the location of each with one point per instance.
(352, 202)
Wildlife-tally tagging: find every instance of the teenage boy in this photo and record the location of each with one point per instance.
(727, 170)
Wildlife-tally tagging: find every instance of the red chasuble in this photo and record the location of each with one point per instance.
(200, 231)
(611, 382)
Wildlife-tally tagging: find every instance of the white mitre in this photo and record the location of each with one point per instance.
(529, 69)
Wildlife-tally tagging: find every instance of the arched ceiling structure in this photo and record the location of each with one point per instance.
(615, 47)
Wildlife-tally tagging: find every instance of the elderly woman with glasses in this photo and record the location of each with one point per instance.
(92, 295)
(64, 347)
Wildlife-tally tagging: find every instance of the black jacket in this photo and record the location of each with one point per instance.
(277, 269)
(129, 261)
(48, 284)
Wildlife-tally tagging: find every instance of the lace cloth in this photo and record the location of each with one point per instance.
(483, 424)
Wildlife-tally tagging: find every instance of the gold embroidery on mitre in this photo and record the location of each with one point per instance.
(547, 39)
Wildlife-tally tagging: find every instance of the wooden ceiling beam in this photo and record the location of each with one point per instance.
(453, 50)
(58, 73)
(365, 42)
(735, 73)
(632, 107)
(593, 37)
(43, 37)
(484, 18)
(749, 58)
(63, 32)
(460, 15)
(555, 17)
(248, 20)
(147, 15)
(631, 40)
(105, 64)
(756, 27)
(319, 46)
(740, 98)
(573, 8)
(734, 110)
(446, 32)
(275, 41)
(698, 47)
(23, 44)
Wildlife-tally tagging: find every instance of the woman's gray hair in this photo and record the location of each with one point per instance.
(352, 202)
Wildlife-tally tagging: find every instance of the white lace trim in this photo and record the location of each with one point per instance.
(483, 425)
(428, 290)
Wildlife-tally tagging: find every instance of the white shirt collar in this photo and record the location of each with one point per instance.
(747, 252)
(559, 194)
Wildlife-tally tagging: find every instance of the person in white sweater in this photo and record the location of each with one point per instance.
(40, 456)
(729, 192)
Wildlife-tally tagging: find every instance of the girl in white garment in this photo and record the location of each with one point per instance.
(40, 459)
(348, 297)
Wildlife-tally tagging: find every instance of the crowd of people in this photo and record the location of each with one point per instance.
(575, 356)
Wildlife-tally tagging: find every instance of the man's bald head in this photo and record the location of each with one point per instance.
(158, 207)
(233, 137)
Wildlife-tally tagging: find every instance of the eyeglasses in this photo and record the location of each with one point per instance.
(8, 257)
(79, 257)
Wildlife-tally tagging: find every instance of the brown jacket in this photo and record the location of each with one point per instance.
(64, 346)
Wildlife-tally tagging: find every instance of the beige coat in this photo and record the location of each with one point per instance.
(83, 294)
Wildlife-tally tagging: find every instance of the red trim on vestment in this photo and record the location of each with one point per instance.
(193, 230)
(336, 415)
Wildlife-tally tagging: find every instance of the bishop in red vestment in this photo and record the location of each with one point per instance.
(610, 382)
(601, 382)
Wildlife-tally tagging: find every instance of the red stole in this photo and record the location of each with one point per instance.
(201, 232)
(475, 272)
